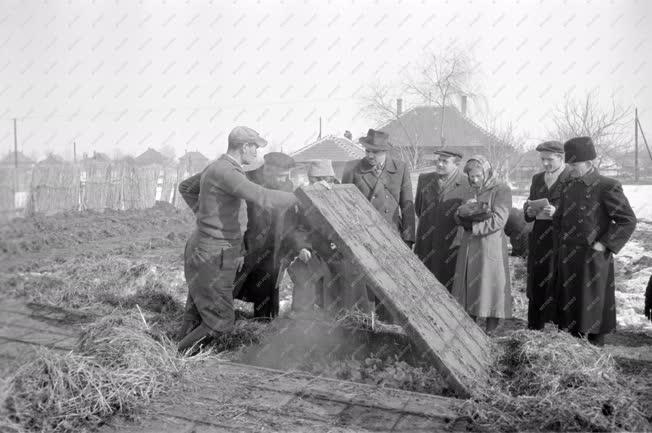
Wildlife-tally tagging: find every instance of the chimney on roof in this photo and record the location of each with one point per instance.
(463, 105)
(347, 134)
(399, 107)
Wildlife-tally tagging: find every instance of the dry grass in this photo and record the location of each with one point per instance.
(554, 382)
(120, 364)
(90, 284)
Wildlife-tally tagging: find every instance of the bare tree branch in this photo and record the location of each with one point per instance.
(607, 126)
(441, 77)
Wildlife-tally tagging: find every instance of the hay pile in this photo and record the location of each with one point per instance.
(551, 381)
(119, 366)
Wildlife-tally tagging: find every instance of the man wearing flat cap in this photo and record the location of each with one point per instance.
(267, 239)
(214, 251)
(439, 194)
(542, 242)
(593, 222)
(385, 182)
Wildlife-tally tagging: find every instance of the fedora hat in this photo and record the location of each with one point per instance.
(376, 141)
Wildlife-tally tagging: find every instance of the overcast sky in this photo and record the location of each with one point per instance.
(127, 75)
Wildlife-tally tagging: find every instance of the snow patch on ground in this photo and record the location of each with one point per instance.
(633, 269)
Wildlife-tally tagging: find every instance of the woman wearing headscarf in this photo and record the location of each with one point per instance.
(482, 284)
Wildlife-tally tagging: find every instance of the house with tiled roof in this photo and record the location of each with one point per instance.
(419, 128)
(52, 159)
(339, 150)
(193, 162)
(152, 157)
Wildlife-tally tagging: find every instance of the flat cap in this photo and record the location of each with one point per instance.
(551, 146)
(245, 135)
(448, 153)
(279, 160)
(579, 149)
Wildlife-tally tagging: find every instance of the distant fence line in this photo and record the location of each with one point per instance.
(55, 188)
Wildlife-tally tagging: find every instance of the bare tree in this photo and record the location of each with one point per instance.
(607, 126)
(443, 75)
(379, 104)
(168, 152)
(505, 147)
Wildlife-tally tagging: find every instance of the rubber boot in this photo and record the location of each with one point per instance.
(596, 339)
(197, 335)
(186, 327)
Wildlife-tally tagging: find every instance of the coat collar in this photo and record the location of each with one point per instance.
(589, 178)
(390, 165)
(232, 161)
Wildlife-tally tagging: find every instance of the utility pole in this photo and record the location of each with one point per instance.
(320, 128)
(636, 145)
(74, 151)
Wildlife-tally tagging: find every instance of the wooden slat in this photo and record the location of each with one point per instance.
(432, 318)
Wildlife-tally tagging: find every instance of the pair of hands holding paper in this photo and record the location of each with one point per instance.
(541, 208)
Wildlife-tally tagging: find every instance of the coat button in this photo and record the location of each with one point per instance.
(374, 196)
(386, 196)
(386, 211)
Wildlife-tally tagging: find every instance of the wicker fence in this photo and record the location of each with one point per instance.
(55, 188)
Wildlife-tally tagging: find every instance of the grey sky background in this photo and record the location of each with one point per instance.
(127, 75)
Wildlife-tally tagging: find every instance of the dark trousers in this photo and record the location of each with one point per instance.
(209, 267)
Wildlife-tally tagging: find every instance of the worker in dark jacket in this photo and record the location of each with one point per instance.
(214, 251)
(593, 222)
(267, 239)
(438, 196)
(385, 182)
(542, 243)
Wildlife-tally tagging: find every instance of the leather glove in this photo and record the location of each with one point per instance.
(647, 310)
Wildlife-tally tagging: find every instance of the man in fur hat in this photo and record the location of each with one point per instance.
(593, 222)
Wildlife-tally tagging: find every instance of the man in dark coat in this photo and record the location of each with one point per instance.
(266, 239)
(593, 222)
(385, 182)
(542, 246)
(439, 194)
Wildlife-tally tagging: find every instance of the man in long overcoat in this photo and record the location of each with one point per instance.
(594, 221)
(542, 246)
(438, 196)
(385, 182)
(266, 239)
